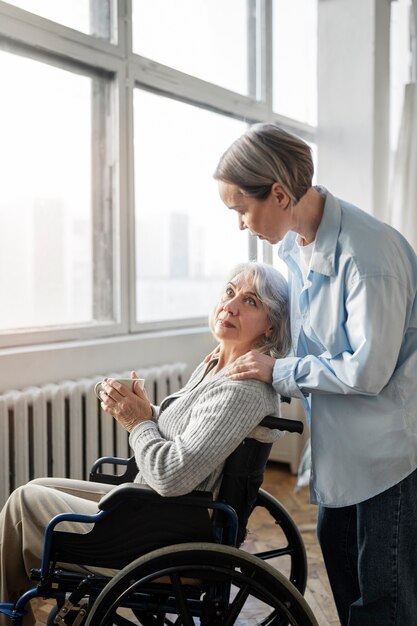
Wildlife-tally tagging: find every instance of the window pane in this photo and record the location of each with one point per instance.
(295, 59)
(45, 203)
(186, 239)
(204, 38)
(92, 17)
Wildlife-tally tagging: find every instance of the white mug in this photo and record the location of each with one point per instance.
(128, 382)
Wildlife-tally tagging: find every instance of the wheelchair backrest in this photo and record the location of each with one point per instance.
(242, 477)
(244, 469)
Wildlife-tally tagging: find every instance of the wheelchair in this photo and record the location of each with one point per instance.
(200, 575)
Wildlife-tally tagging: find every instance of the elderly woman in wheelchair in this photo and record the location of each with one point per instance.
(163, 548)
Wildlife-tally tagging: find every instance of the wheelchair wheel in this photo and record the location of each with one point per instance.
(200, 584)
(287, 552)
(52, 614)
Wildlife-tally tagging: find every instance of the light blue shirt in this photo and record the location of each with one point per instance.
(354, 334)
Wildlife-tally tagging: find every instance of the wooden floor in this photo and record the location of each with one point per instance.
(280, 483)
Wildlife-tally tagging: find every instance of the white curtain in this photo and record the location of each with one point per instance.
(402, 201)
(403, 188)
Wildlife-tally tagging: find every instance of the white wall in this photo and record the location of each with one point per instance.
(353, 104)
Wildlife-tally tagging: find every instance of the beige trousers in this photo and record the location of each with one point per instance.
(22, 525)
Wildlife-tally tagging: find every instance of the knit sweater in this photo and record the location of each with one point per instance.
(198, 428)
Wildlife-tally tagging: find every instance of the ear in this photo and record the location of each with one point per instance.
(268, 333)
(280, 195)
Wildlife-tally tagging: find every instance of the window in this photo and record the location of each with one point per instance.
(183, 245)
(46, 204)
(295, 59)
(205, 39)
(93, 17)
(113, 117)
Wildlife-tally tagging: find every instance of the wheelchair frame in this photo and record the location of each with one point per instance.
(209, 581)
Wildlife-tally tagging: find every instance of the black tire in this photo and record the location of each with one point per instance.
(200, 583)
(287, 547)
(51, 616)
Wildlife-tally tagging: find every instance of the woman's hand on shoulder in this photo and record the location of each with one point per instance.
(253, 364)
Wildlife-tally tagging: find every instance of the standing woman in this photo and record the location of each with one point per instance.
(353, 283)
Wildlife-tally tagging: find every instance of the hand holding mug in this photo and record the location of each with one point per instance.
(125, 400)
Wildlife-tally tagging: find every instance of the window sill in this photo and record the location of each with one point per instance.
(70, 360)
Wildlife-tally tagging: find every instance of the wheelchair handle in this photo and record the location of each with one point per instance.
(282, 423)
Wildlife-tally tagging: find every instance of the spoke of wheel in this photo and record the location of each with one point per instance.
(160, 620)
(121, 621)
(181, 600)
(270, 554)
(271, 620)
(145, 619)
(236, 606)
(252, 588)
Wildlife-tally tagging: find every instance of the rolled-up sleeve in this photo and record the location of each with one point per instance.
(284, 377)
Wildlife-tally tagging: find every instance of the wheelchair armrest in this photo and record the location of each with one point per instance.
(282, 423)
(271, 421)
(113, 479)
(129, 491)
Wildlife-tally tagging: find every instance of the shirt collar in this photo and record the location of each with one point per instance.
(324, 255)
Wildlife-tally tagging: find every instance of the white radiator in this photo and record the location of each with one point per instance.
(60, 429)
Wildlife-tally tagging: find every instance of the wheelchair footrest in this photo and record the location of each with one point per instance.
(74, 616)
(8, 608)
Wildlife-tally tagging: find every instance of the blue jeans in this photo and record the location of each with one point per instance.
(370, 553)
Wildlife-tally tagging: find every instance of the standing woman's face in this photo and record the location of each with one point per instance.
(268, 219)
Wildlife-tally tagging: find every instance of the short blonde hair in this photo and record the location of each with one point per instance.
(271, 289)
(264, 155)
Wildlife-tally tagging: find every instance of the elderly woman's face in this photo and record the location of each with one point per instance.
(267, 219)
(240, 317)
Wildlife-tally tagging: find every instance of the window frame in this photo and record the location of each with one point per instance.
(42, 39)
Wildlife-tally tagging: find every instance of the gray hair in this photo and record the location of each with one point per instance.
(264, 155)
(271, 289)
